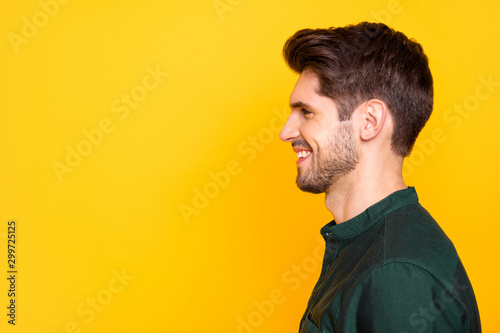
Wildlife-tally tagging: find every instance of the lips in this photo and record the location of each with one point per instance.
(302, 153)
(302, 149)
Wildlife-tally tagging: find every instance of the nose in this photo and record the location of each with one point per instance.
(290, 130)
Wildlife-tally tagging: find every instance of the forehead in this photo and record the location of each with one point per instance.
(305, 92)
(305, 87)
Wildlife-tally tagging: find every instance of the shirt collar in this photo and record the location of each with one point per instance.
(373, 214)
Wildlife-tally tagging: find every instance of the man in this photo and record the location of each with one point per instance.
(363, 95)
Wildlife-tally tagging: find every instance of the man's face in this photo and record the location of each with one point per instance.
(325, 147)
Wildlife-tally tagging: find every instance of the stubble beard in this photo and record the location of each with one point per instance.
(338, 158)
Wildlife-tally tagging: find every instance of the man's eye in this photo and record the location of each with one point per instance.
(305, 112)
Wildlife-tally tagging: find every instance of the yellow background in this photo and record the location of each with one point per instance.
(119, 209)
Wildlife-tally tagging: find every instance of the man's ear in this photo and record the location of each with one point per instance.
(373, 114)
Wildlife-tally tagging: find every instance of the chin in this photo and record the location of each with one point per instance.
(310, 187)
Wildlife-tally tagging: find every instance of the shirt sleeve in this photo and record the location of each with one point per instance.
(402, 297)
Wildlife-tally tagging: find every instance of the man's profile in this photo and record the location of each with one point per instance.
(363, 95)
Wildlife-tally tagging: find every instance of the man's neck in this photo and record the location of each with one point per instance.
(360, 189)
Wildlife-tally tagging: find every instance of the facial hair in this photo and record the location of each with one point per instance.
(330, 163)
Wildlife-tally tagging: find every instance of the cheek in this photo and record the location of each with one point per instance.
(319, 141)
(317, 135)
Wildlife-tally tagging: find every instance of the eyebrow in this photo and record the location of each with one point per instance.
(299, 104)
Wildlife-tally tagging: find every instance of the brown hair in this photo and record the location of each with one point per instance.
(364, 61)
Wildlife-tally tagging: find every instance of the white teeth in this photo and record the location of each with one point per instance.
(303, 153)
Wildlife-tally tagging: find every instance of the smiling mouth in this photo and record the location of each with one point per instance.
(302, 155)
(302, 149)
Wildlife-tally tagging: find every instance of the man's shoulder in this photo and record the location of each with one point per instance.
(411, 230)
(411, 235)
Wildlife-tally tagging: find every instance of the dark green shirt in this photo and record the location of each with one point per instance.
(391, 269)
